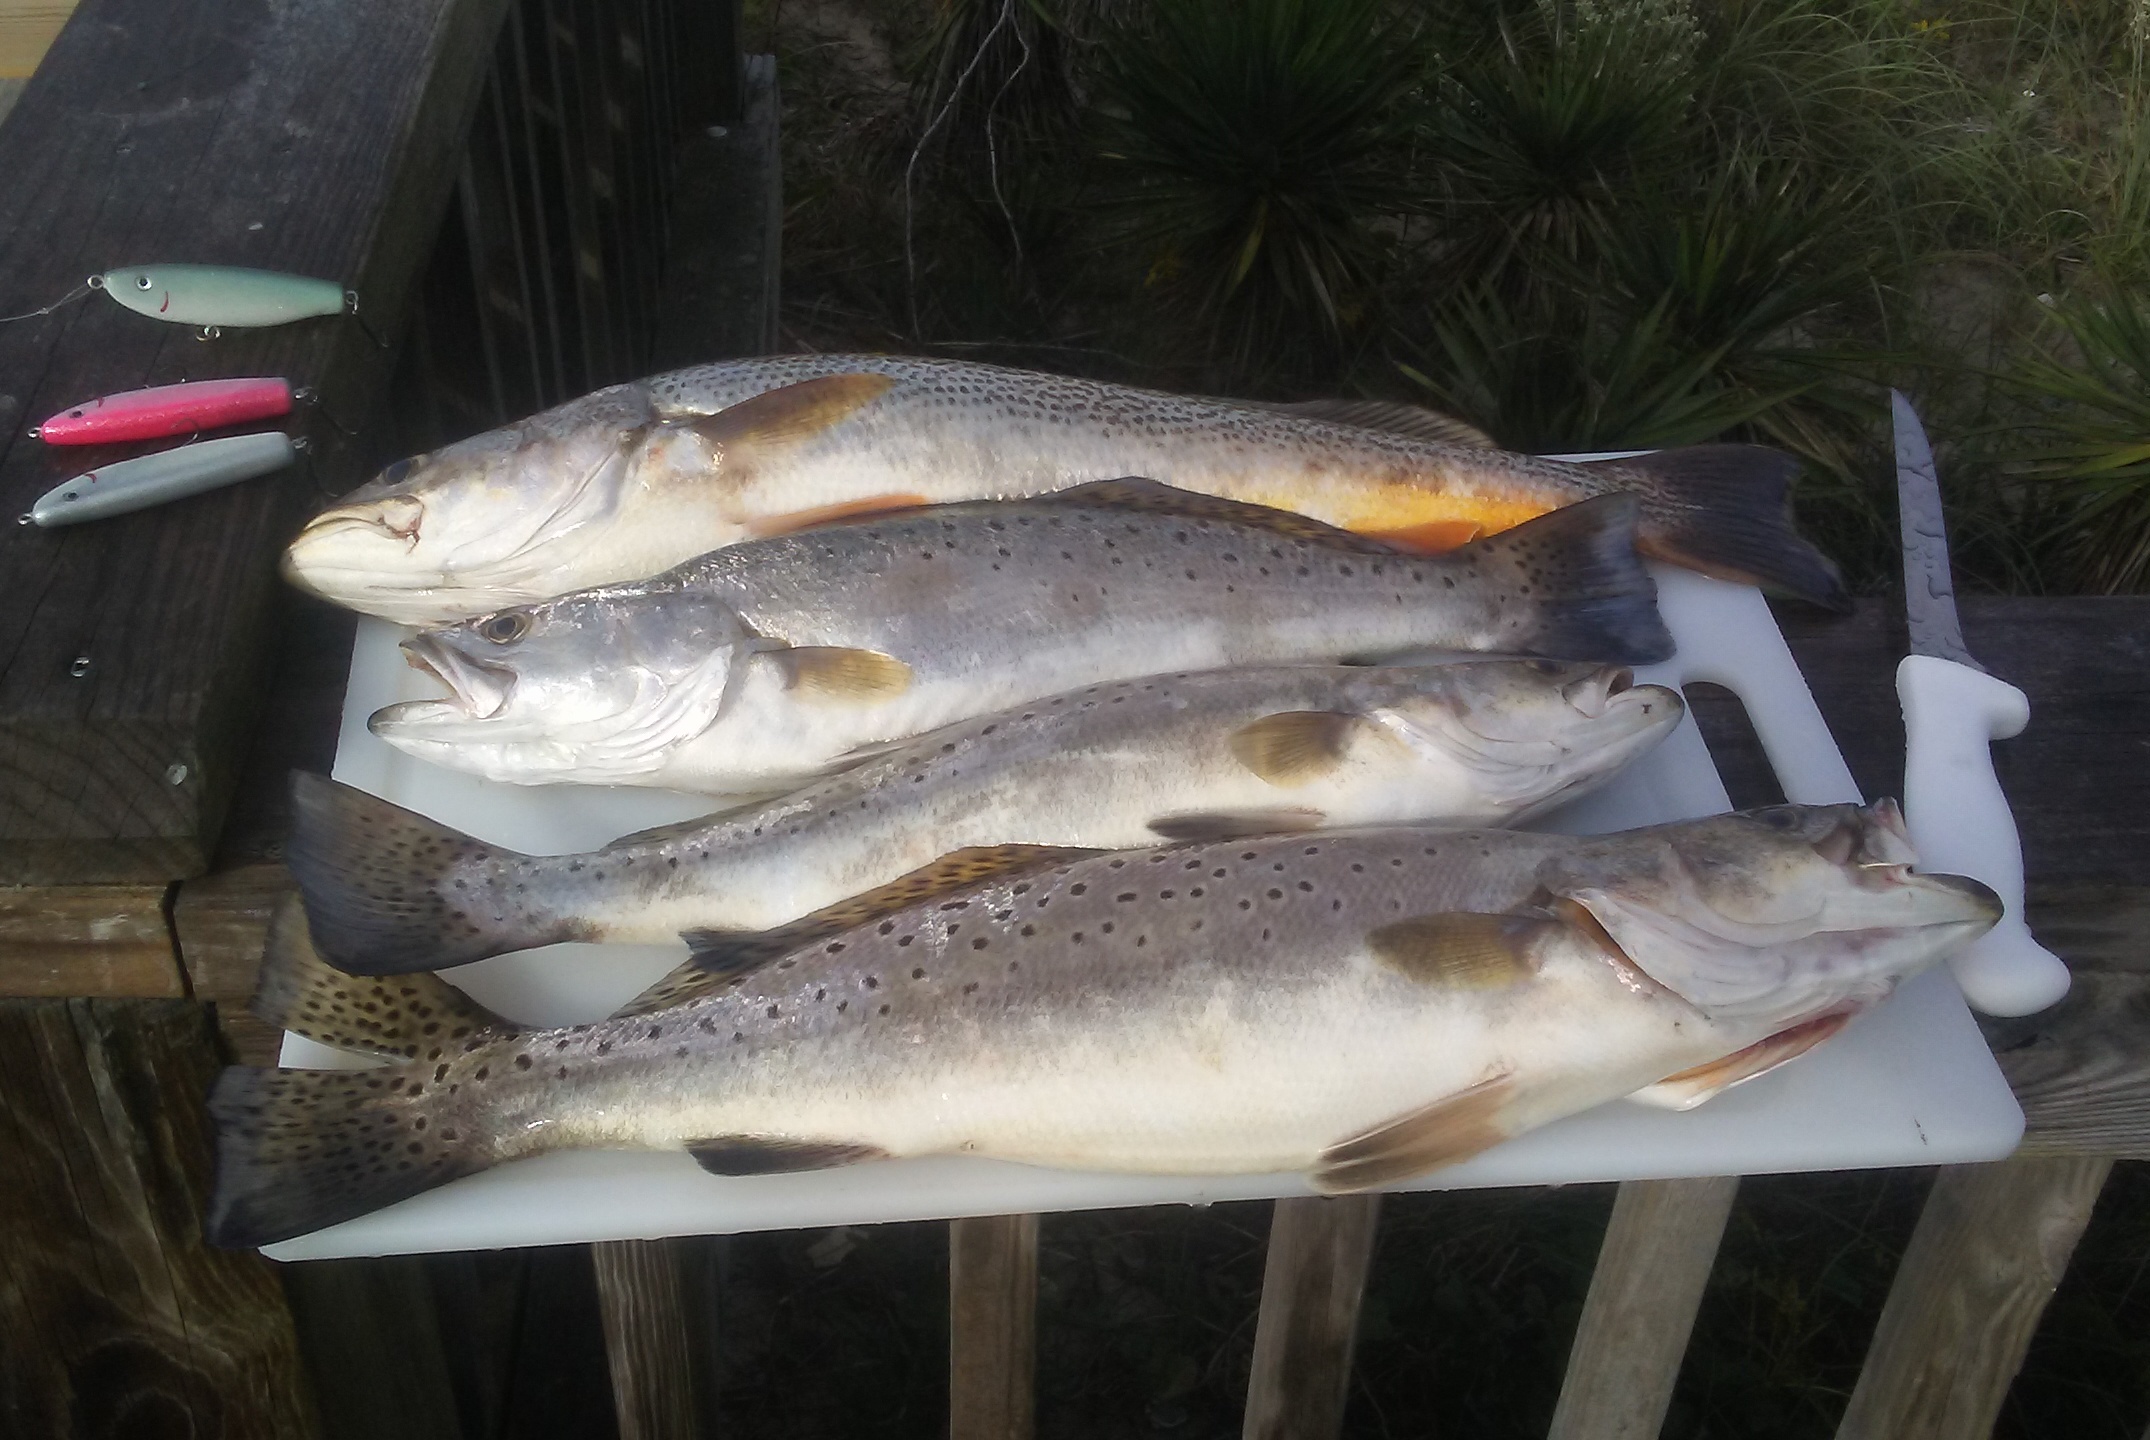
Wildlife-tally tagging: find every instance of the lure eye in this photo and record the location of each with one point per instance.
(506, 628)
(143, 282)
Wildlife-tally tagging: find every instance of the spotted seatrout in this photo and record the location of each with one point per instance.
(626, 483)
(758, 667)
(1209, 754)
(1361, 1006)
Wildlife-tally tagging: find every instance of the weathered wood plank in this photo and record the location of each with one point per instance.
(992, 1327)
(221, 921)
(727, 235)
(27, 30)
(1309, 1320)
(1651, 1272)
(117, 1319)
(2082, 1069)
(1989, 1250)
(656, 1336)
(314, 139)
(108, 940)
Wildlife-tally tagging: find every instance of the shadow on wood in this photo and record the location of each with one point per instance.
(992, 1327)
(1659, 1249)
(117, 1319)
(1990, 1248)
(1311, 1286)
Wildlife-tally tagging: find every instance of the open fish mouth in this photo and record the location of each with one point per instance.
(480, 691)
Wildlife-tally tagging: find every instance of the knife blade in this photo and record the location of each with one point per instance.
(1959, 819)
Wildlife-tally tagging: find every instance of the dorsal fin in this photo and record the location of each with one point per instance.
(791, 413)
(1133, 492)
(721, 955)
(1393, 417)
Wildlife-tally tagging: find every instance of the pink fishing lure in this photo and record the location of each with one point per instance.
(167, 410)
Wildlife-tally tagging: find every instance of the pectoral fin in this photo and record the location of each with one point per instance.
(1691, 1087)
(1463, 949)
(791, 413)
(1451, 1129)
(835, 674)
(1294, 747)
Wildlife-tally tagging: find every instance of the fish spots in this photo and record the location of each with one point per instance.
(523, 1062)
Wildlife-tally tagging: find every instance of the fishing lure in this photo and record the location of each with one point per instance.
(130, 485)
(214, 296)
(168, 410)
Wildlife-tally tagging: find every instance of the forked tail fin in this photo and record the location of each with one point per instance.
(1726, 510)
(390, 891)
(298, 1150)
(1587, 593)
(402, 1017)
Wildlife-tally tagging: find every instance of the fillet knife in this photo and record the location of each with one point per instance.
(1953, 711)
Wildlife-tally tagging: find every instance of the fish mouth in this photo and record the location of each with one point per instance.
(481, 691)
(1951, 900)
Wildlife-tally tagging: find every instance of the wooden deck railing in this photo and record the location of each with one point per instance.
(495, 175)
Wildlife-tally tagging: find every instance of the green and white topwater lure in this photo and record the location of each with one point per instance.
(214, 297)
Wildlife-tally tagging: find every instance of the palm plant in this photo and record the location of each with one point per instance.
(1542, 132)
(2097, 411)
(1254, 149)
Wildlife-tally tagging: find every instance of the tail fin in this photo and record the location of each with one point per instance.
(1592, 598)
(405, 1017)
(390, 891)
(298, 1150)
(1726, 510)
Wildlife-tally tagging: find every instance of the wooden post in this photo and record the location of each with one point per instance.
(371, 1334)
(1651, 1272)
(117, 1318)
(657, 1337)
(1316, 1272)
(1988, 1252)
(992, 1327)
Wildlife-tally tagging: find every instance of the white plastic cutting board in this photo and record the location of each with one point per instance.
(1912, 1083)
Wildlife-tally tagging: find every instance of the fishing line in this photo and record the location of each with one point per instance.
(955, 93)
(95, 282)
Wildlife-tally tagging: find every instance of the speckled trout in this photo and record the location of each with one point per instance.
(760, 666)
(632, 480)
(1210, 754)
(1359, 1006)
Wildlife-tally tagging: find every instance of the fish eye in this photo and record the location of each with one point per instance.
(506, 628)
(394, 473)
(143, 282)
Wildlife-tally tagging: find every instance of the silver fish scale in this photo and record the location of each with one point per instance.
(1076, 945)
(976, 394)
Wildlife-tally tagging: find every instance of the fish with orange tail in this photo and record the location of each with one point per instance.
(626, 483)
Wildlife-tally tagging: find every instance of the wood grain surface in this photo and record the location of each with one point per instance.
(992, 1327)
(1989, 1250)
(110, 940)
(1659, 1249)
(316, 139)
(117, 1320)
(656, 1307)
(27, 30)
(1312, 1281)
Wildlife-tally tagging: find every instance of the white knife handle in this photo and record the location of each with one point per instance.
(1960, 822)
